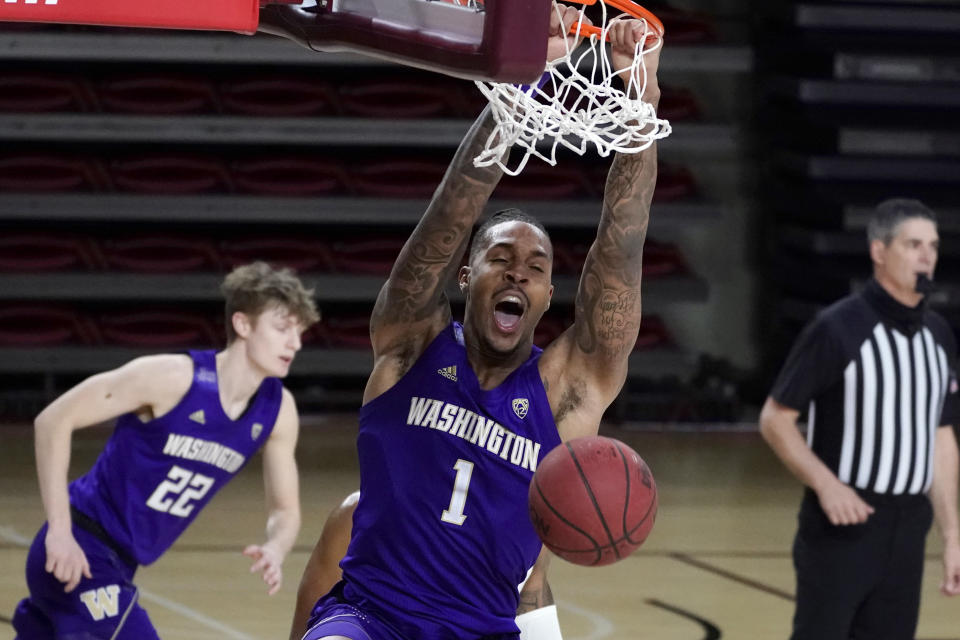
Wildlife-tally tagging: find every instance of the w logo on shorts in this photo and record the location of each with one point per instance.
(102, 602)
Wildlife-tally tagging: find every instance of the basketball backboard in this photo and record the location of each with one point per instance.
(501, 40)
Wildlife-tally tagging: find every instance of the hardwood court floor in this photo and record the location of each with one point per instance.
(716, 565)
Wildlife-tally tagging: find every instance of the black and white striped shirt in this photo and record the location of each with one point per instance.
(877, 379)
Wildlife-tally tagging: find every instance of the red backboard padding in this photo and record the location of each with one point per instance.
(223, 15)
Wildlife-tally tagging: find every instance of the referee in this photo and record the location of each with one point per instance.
(875, 373)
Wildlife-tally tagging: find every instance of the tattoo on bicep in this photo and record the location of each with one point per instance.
(609, 319)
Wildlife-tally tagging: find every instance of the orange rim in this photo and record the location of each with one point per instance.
(626, 6)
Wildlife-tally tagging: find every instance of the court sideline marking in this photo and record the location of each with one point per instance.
(11, 535)
(729, 575)
(711, 631)
(602, 627)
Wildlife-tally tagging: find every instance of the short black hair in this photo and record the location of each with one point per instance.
(889, 214)
(504, 215)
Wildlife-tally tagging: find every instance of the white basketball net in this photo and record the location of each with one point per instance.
(578, 106)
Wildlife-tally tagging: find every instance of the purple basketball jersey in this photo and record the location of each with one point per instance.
(153, 478)
(441, 535)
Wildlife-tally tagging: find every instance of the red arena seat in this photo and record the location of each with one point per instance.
(157, 94)
(31, 172)
(171, 174)
(299, 254)
(32, 252)
(35, 325)
(41, 92)
(160, 254)
(391, 98)
(678, 104)
(663, 259)
(373, 256)
(348, 331)
(279, 97)
(659, 259)
(316, 335)
(539, 180)
(673, 183)
(398, 178)
(548, 330)
(653, 334)
(684, 26)
(157, 329)
(289, 176)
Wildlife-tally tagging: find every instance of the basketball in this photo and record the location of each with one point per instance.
(593, 501)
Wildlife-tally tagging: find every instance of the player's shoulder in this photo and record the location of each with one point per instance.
(287, 416)
(164, 368)
(287, 399)
(159, 380)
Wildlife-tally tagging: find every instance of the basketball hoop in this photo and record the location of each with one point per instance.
(576, 104)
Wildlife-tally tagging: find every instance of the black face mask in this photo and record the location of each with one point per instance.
(924, 284)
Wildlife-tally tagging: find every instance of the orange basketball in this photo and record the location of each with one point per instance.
(593, 500)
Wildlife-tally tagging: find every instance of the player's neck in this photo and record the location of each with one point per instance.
(237, 379)
(492, 368)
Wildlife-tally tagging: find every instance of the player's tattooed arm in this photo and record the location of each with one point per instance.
(535, 598)
(608, 299)
(414, 293)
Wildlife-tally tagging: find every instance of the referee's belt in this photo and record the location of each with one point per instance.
(95, 529)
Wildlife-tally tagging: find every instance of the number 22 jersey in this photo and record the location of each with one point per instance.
(441, 535)
(153, 478)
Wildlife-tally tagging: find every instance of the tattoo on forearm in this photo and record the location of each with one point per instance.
(531, 600)
(431, 255)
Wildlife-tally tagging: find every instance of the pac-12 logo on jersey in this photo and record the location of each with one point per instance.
(255, 430)
(520, 406)
(102, 602)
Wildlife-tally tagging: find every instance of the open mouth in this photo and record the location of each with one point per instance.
(508, 313)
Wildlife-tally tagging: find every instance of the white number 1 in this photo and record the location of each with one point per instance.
(461, 486)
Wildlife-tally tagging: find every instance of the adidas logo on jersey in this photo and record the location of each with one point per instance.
(197, 416)
(449, 372)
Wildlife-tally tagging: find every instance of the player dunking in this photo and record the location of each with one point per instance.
(536, 614)
(187, 424)
(455, 418)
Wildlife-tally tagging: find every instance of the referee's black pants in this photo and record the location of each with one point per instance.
(860, 581)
